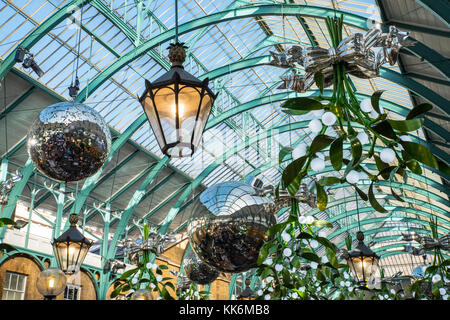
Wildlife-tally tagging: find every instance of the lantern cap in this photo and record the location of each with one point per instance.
(361, 249)
(72, 234)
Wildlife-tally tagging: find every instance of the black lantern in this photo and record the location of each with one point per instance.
(71, 247)
(362, 261)
(177, 106)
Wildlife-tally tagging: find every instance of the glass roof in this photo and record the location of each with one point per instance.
(112, 28)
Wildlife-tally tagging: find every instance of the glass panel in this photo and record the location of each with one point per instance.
(7, 280)
(13, 284)
(21, 283)
(60, 250)
(153, 120)
(188, 101)
(205, 109)
(165, 105)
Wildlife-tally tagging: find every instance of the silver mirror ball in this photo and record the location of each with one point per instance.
(69, 141)
(228, 224)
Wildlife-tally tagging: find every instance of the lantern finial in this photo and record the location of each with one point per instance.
(177, 54)
(73, 219)
(360, 236)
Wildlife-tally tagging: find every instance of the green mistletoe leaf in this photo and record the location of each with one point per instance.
(375, 100)
(373, 201)
(302, 104)
(336, 153)
(407, 125)
(418, 110)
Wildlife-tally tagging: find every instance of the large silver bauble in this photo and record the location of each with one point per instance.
(228, 224)
(68, 141)
(197, 271)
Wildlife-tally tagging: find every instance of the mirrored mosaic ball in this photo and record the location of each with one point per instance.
(69, 141)
(228, 224)
(198, 271)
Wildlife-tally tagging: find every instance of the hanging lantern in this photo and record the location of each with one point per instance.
(177, 106)
(362, 261)
(71, 247)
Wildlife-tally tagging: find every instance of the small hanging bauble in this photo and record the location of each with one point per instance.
(366, 105)
(228, 226)
(317, 164)
(329, 118)
(197, 271)
(299, 151)
(68, 141)
(387, 155)
(363, 137)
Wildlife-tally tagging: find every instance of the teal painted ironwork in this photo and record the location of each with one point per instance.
(15, 193)
(384, 219)
(239, 13)
(394, 210)
(439, 8)
(133, 203)
(158, 185)
(14, 148)
(17, 102)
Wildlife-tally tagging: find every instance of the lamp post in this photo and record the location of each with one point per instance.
(177, 104)
(71, 247)
(362, 261)
(50, 283)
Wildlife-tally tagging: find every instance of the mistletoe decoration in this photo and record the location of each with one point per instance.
(147, 275)
(436, 281)
(291, 267)
(357, 123)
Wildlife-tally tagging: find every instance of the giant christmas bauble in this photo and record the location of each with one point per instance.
(68, 141)
(228, 224)
(198, 271)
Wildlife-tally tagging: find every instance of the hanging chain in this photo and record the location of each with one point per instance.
(176, 21)
(75, 86)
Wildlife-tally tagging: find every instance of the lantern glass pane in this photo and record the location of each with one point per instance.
(188, 105)
(60, 250)
(153, 119)
(362, 268)
(165, 106)
(203, 116)
(73, 257)
(70, 255)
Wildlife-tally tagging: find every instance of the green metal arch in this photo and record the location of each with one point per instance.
(439, 8)
(33, 255)
(385, 229)
(173, 212)
(244, 12)
(401, 110)
(382, 219)
(393, 209)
